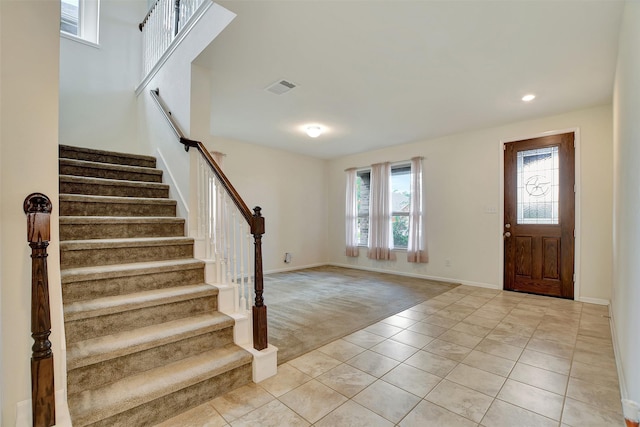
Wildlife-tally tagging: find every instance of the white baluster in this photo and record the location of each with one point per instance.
(232, 258)
(209, 215)
(218, 234)
(249, 276)
(227, 238)
(243, 283)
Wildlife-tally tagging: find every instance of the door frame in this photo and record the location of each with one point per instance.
(577, 209)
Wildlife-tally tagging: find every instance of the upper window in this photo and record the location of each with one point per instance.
(400, 205)
(79, 20)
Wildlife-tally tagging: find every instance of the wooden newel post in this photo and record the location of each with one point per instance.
(37, 206)
(259, 309)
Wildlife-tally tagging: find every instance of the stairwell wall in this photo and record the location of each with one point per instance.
(175, 83)
(97, 83)
(29, 163)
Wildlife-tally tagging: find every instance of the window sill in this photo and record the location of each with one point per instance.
(79, 40)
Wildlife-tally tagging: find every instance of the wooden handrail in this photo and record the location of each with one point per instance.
(37, 207)
(255, 221)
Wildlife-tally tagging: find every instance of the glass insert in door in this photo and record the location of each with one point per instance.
(538, 186)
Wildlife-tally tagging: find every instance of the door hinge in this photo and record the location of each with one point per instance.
(504, 147)
(574, 233)
(574, 188)
(574, 278)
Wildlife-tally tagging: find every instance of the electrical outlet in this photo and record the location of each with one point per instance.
(287, 257)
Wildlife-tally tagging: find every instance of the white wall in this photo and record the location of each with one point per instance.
(291, 190)
(626, 284)
(29, 163)
(97, 84)
(174, 79)
(462, 178)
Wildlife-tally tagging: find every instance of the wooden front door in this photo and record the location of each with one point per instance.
(539, 218)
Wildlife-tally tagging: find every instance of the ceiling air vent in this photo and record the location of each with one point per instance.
(280, 87)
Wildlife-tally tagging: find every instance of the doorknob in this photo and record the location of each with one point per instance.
(507, 234)
(507, 226)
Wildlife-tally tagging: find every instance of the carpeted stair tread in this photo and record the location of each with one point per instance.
(111, 227)
(107, 186)
(79, 219)
(94, 405)
(98, 349)
(82, 274)
(115, 199)
(115, 171)
(86, 253)
(84, 205)
(103, 156)
(69, 245)
(121, 303)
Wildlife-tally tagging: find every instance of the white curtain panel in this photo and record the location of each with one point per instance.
(351, 215)
(416, 251)
(380, 233)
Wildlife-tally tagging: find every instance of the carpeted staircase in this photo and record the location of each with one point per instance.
(144, 339)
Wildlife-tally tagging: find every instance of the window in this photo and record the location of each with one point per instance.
(79, 20)
(400, 205)
(538, 186)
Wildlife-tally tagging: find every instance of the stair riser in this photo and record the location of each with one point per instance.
(88, 171)
(120, 231)
(82, 329)
(113, 158)
(168, 406)
(111, 256)
(98, 288)
(112, 190)
(91, 208)
(99, 374)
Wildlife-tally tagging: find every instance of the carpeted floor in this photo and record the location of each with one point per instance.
(310, 308)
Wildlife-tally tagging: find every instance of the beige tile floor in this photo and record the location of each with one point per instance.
(469, 357)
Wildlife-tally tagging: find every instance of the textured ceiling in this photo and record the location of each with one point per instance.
(380, 73)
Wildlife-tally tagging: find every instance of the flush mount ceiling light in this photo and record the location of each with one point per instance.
(528, 98)
(313, 131)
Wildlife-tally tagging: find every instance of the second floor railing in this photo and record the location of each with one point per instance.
(160, 26)
(227, 225)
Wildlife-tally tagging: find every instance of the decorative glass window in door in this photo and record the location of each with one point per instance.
(538, 186)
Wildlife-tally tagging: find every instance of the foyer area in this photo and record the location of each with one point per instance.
(467, 357)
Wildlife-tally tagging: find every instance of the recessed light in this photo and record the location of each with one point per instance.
(528, 98)
(313, 131)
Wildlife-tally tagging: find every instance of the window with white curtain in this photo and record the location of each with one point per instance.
(400, 203)
(406, 217)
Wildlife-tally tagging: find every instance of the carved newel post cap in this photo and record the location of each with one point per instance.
(38, 208)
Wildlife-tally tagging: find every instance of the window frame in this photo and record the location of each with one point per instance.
(367, 170)
(88, 23)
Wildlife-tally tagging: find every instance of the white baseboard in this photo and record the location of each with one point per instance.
(630, 409)
(418, 276)
(297, 267)
(589, 300)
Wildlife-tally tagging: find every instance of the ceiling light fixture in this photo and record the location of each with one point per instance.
(313, 131)
(529, 98)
